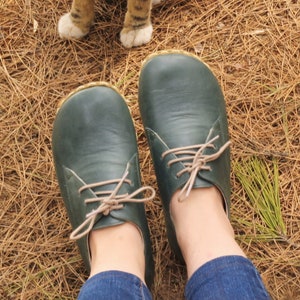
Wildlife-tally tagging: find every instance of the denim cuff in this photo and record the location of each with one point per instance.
(114, 285)
(226, 277)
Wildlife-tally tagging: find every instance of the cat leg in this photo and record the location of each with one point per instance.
(137, 28)
(76, 24)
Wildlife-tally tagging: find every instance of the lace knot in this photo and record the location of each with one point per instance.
(194, 160)
(108, 201)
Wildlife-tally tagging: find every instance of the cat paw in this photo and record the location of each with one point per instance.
(67, 29)
(138, 37)
(154, 2)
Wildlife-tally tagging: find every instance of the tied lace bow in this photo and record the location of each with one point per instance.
(108, 201)
(193, 161)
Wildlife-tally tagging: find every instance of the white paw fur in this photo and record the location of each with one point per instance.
(67, 29)
(137, 37)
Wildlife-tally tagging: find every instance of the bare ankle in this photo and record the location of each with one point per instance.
(202, 198)
(120, 248)
(202, 228)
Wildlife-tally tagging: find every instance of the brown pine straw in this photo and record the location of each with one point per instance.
(252, 47)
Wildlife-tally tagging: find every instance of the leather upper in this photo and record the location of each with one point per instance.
(182, 104)
(93, 141)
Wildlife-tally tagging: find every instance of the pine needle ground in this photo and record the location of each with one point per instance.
(252, 47)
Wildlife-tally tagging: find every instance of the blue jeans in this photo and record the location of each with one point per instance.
(224, 278)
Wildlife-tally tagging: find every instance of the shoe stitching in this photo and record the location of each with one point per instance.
(108, 201)
(194, 161)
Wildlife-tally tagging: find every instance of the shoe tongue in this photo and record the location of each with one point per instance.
(201, 183)
(106, 221)
(103, 221)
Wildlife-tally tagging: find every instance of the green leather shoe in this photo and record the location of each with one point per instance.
(97, 166)
(184, 116)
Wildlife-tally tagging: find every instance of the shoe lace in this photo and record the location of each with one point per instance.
(194, 161)
(108, 201)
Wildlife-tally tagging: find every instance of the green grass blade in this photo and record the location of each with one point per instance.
(261, 185)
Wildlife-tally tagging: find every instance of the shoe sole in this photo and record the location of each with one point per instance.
(86, 86)
(172, 51)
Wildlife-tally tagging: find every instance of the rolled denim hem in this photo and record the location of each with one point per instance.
(224, 278)
(114, 285)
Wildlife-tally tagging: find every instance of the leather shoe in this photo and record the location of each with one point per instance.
(97, 166)
(184, 116)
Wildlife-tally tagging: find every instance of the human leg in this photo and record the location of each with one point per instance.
(96, 161)
(184, 116)
(217, 267)
(111, 249)
(202, 228)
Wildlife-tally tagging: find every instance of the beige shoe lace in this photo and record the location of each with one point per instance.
(108, 201)
(194, 161)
